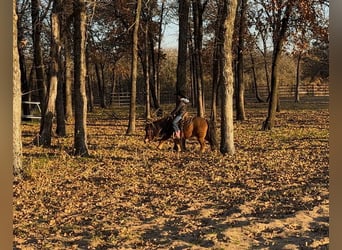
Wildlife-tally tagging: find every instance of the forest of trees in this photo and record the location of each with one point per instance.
(70, 53)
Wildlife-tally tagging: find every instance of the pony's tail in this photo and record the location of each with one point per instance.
(211, 135)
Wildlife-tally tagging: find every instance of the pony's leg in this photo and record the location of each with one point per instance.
(202, 143)
(177, 145)
(160, 145)
(183, 144)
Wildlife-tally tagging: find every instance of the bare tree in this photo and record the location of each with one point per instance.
(17, 144)
(134, 69)
(227, 126)
(80, 132)
(280, 25)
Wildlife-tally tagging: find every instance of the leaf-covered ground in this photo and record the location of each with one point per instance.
(272, 194)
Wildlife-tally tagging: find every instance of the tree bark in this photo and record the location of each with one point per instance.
(297, 98)
(80, 132)
(255, 82)
(157, 84)
(17, 143)
(182, 46)
(25, 86)
(37, 52)
(134, 71)
(60, 109)
(154, 85)
(68, 77)
(227, 126)
(217, 73)
(198, 9)
(147, 73)
(44, 138)
(240, 85)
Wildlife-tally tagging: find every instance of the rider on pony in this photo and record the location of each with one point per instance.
(178, 113)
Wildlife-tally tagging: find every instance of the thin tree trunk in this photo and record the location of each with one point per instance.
(113, 86)
(193, 78)
(197, 49)
(134, 69)
(255, 82)
(17, 143)
(80, 132)
(157, 84)
(60, 107)
(147, 74)
(278, 43)
(182, 46)
(154, 86)
(217, 74)
(25, 86)
(103, 92)
(90, 92)
(240, 93)
(37, 53)
(44, 138)
(68, 79)
(68, 66)
(100, 84)
(298, 77)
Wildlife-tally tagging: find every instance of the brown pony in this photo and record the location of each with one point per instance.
(197, 127)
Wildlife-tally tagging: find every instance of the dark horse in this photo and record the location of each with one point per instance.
(190, 127)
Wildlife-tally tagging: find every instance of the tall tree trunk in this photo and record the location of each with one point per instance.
(193, 78)
(44, 138)
(80, 132)
(147, 73)
(68, 78)
(278, 40)
(113, 85)
(134, 71)
(255, 82)
(217, 69)
(198, 9)
(60, 107)
(103, 92)
(157, 84)
(298, 78)
(90, 92)
(267, 74)
(100, 84)
(155, 68)
(240, 85)
(68, 66)
(37, 52)
(182, 46)
(17, 144)
(227, 126)
(25, 86)
(89, 85)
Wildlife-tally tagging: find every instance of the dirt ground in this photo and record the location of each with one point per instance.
(273, 193)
